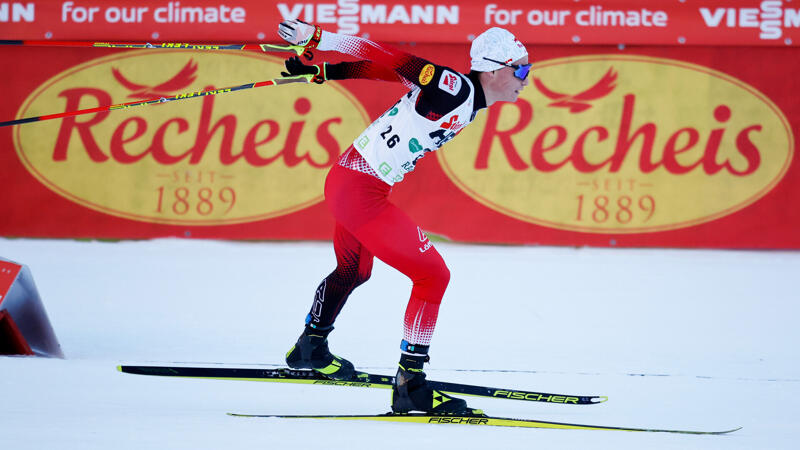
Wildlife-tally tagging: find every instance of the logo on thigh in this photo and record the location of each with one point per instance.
(426, 243)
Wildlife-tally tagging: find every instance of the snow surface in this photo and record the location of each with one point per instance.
(686, 339)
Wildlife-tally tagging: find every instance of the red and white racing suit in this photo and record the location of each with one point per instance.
(440, 104)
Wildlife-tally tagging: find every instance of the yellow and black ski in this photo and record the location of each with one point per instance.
(362, 379)
(477, 419)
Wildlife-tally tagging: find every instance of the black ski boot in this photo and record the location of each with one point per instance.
(311, 352)
(412, 393)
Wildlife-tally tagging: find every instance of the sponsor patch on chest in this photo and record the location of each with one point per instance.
(450, 82)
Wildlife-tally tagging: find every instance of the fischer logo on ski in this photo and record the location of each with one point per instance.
(361, 379)
(480, 419)
(535, 397)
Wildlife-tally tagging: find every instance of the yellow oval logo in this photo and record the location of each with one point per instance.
(213, 160)
(624, 144)
(426, 75)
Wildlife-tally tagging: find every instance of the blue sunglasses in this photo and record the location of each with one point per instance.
(520, 72)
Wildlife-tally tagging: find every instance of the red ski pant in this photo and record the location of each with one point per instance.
(368, 225)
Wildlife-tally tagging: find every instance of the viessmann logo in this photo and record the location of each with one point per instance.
(214, 160)
(349, 15)
(769, 17)
(624, 144)
(17, 12)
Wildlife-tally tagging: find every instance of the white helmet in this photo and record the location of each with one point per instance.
(497, 44)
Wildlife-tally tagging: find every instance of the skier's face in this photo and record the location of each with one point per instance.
(509, 84)
(504, 85)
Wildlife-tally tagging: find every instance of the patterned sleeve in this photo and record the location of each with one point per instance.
(360, 69)
(412, 70)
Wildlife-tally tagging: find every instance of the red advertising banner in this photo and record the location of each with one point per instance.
(639, 146)
(615, 22)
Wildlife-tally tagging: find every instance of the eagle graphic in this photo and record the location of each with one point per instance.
(183, 79)
(579, 102)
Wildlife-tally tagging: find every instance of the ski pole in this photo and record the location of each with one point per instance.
(162, 45)
(183, 96)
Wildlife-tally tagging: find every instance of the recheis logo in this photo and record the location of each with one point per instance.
(426, 75)
(583, 100)
(624, 144)
(216, 160)
(177, 83)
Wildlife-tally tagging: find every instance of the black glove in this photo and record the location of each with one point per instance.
(295, 67)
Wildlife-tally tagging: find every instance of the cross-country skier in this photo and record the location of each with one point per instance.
(439, 105)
